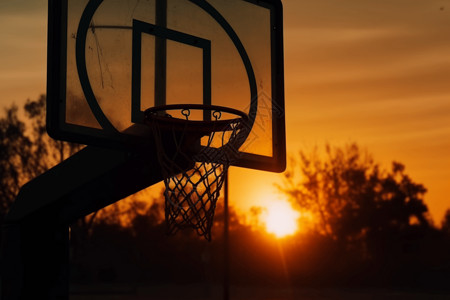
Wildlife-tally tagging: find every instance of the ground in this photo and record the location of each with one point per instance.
(200, 292)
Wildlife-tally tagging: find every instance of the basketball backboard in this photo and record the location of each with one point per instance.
(110, 60)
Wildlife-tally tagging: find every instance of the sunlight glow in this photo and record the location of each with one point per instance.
(281, 219)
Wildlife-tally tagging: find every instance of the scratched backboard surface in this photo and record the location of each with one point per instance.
(113, 59)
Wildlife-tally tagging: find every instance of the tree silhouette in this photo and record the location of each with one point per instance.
(446, 223)
(13, 160)
(26, 150)
(353, 199)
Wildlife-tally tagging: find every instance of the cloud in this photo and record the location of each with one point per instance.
(353, 59)
(21, 7)
(23, 47)
(23, 32)
(364, 13)
(363, 52)
(333, 40)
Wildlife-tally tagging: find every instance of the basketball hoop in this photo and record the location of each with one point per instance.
(209, 146)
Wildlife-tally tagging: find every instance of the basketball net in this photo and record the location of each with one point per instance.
(195, 171)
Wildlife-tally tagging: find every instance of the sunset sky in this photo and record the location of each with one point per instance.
(373, 72)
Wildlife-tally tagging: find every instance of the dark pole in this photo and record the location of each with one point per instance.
(160, 55)
(226, 243)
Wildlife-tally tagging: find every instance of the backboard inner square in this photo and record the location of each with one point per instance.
(169, 37)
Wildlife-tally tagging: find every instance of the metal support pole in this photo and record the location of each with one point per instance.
(35, 249)
(226, 242)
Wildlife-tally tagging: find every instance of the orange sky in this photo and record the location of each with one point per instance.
(373, 72)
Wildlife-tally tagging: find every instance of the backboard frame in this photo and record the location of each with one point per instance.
(57, 128)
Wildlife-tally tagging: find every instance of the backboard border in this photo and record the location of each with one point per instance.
(56, 92)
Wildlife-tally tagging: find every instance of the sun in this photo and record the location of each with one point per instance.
(281, 219)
